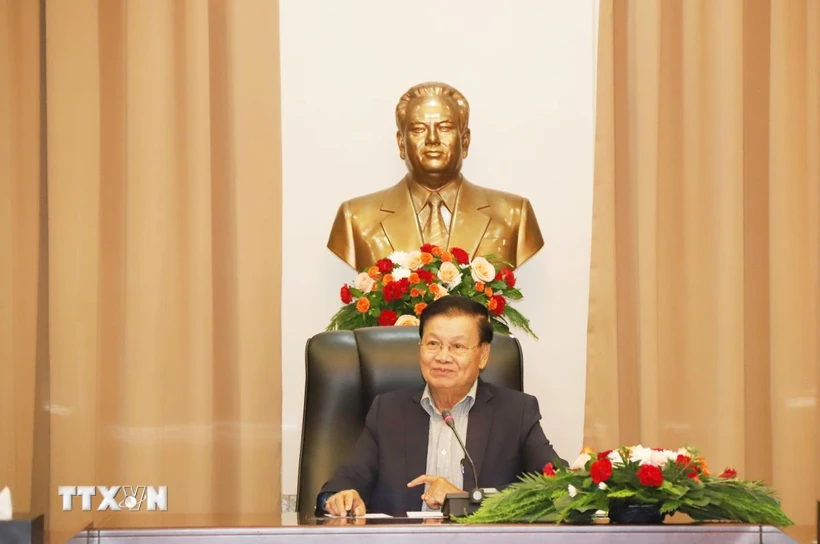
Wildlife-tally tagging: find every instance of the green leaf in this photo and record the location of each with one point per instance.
(669, 507)
(513, 294)
(621, 494)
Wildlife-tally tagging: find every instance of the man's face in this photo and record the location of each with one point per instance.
(451, 356)
(430, 141)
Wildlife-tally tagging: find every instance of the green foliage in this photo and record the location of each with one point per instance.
(687, 486)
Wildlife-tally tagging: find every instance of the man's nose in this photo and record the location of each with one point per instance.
(432, 136)
(444, 354)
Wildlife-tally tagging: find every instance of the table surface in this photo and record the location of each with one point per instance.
(128, 528)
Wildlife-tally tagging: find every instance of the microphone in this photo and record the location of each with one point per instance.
(451, 500)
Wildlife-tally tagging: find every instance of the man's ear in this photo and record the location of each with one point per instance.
(465, 143)
(485, 356)
(400, 141)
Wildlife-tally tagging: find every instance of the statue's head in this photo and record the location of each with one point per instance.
(433, 133)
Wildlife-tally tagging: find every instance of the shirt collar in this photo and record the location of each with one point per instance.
(420, 194)
(430, 408)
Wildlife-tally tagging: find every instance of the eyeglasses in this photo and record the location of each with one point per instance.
(456, 350)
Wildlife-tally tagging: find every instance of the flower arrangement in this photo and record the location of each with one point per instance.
(671, 481)
(395, 290)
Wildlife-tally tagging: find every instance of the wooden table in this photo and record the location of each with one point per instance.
(126, 528)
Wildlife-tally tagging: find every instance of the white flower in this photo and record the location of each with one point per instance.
(581, 461)
(659, 458)
(602, 486)
(407, 321)
(641, 455)
(615, 457)
(414, 260)
(449, 274)
(364, 283)
(572, 490)
(401, 273)
(482, 271)
(399, 257)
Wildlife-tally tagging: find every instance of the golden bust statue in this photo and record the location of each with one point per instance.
(434, 203)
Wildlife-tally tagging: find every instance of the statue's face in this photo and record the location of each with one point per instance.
(430, 141)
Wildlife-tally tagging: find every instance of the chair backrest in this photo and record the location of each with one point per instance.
(345, 371)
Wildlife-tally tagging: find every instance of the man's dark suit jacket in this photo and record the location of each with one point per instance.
(504, 438)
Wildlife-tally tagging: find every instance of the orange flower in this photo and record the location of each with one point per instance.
(419, 307)
(436, 251)
(374, 273)
(434, 288)
(492, 305)
(479, 287)
(363, 305)
(387, 279)
(488, 291)
(704, 468)
(446, 258)
(426, 258)
(415, 292)
(587, 450)
(422, 292)
(414, 279)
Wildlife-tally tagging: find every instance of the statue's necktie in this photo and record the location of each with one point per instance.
(435, 232)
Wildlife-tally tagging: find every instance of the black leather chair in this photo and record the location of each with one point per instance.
(345, 371)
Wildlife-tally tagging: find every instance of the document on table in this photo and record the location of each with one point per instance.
(366, 516)
(425, 514)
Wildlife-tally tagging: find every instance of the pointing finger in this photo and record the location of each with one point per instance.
(423, 479)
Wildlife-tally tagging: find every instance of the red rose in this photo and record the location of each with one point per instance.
(601, 470)
(385, 265)
(650, 476)
(387, 318)
(729, 473)
(496, 304)
(425, 275)
(693, 473)
(507, 276)
(395, 289)
(683, 460)
(460, 255)
(426, 248)
(391, 291)
(345, 294)
(604, 454)
(549, 470)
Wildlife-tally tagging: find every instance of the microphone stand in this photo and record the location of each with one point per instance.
(462, 503)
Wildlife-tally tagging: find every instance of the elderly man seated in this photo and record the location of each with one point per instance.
(406, 444)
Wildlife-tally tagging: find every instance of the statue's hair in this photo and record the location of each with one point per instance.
(434, 88)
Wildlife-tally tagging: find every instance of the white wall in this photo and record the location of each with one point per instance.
(527, 69)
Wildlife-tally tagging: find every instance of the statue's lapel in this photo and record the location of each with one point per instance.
(400, 225)
(470, 219)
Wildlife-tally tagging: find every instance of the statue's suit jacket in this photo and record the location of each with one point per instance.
(485, 221)
(504, 438)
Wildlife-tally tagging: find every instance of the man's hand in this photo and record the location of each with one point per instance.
(344, 502)
(439, 487)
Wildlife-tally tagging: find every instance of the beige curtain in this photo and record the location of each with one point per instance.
(23, 315)
(140, 316)
(704, 312)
